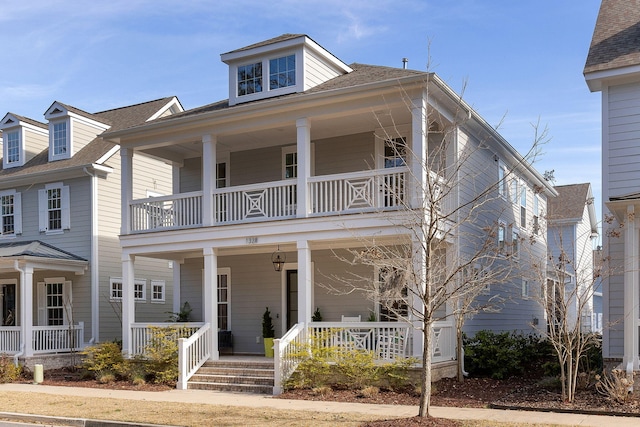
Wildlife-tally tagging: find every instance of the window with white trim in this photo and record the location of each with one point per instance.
(11, 211)
(59, 140)
(157, 290)
(13, 149)
(523, 206)
(116, 289)
(502, 179)
(249, 78)
(525, 288)
(514, 191)
(54, 208)
(224, 299)
(502, 236)
(536, 214)
(282, 72)
(54, 302)
(515, 243)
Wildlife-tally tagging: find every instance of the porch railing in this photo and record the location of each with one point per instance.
(366, 190)
(444, 342)
(285, 357)
(255, 202)
(143, 333)
(167, 212)
(58, 339)
(10, 339)
(192, 353)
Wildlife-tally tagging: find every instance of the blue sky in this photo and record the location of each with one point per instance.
(517, 62)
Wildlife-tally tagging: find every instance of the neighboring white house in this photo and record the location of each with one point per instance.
(571, 230)
(295, 166)
(60, 260)
(613, 68)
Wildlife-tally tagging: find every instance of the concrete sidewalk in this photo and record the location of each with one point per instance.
(258, 401)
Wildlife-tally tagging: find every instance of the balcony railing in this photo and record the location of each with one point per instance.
(328, 195)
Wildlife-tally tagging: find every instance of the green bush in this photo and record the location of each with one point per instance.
(104, 359)
(505, 354)
(161, 354)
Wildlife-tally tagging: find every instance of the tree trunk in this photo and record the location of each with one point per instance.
(425, 395)
(460, 353)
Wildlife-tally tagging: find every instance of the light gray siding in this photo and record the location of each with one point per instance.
(316, 70)
(344, 154)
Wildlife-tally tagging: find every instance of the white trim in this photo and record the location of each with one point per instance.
(173, 103)
(108, 155)
(163, 285)
(113, 280)
(68, 139)
(17, 214)
(21, 148)
(225, 271)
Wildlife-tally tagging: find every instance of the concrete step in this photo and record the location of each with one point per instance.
(244, 376)
(237, 388)
(240, 379)
(212, 370)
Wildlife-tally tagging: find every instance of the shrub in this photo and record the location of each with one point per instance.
(614, 386)
(369, 391)
(104, 358)
(9, 371)
(161, 354)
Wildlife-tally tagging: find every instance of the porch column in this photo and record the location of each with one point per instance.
(176, 286)
(209, 167)
(128, 303)
(631, 292)
(305, 285)
(126, 188)
(26, 309)
(418, 161)
(419, 265)
(304, 166)
(210, 298)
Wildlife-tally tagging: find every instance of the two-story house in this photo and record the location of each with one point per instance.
(613, 68)
(571, 229)
(306, 160)
(60, 262)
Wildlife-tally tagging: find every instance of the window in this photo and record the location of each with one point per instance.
(523, 206)
(515, 244)
(514, 191)
(157, 290)
(525, 288)
(536, 215)
(54, 208)
(250, 78)
(224, 299)
(395, 152)
(11, 211)
(221, 175)
(12, 153)
(140, 290)
(117, 289)
(54, 302)
(502, 180)
(282, 72)
(290, 162)
(501, 237)
(393, 295)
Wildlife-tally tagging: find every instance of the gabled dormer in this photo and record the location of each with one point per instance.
(287, 64)
(70, 129)
(23, 138)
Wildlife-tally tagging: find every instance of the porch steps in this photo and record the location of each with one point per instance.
(246, 376)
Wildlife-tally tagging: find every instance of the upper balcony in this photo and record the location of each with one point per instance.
(327, 195)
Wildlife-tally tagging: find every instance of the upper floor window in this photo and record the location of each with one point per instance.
(502, 228)
(10, 205)
(514, 191)
(502, 180)
(54, 208)
(282, 72)
(523, 206)
(249, 78)
(289, 162)
(59, 140)
(12, 148)
(536, 214)
(157, 290)
(395, 152)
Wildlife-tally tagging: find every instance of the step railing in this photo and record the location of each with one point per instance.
(193, 352)
(286, 355)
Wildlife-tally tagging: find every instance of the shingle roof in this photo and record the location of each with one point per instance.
(281, 38)
(616, 37)
(30, 121)
(35, 248)
(570, 202)
(362, 74)
(120, 118)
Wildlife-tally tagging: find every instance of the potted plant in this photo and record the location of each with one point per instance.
(268, 333)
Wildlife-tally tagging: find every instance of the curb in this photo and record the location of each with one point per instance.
(72, 422)
(563, 410)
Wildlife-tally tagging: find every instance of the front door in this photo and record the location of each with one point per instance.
(292, 298)
(8, 296)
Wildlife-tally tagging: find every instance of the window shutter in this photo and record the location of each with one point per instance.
(17, 213)
(42, 209)
(67, 303)
(66, 208)
(41, 296)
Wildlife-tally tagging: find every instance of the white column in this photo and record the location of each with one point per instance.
(305, 284)
(209, 164)
(126, 188)
(419, 265)
(418, 161)
(26, 309)
(210, 297)
(176, 287)
(631, 292)
(304, 165)
(128, 303)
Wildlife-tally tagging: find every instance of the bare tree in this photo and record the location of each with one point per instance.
(454, 252)
(566, 281)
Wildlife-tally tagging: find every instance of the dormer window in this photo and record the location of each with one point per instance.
(59, 148)
(282, 72)
(12, 149)
(249, 78)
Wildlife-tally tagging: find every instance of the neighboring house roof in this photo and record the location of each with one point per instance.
(616, 37)
(35, 248)
(120, 118)
(569, 205)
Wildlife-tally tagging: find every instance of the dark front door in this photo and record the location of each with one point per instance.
(292, 298)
